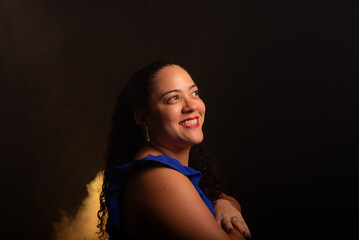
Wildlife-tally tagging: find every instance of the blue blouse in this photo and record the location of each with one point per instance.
(120, 176)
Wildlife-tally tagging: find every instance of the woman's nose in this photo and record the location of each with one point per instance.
(189, 106)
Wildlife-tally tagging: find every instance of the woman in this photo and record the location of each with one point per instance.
(149, 191)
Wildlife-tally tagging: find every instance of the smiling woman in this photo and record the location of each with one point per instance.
(152, 183)
(176, 113)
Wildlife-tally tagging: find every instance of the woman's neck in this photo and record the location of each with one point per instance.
(182, 155)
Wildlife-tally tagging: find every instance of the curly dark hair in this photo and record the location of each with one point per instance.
(126, 138)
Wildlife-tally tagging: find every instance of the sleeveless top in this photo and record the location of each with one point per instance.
(118, 181)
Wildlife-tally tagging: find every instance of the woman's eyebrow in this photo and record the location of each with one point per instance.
(193, 86)
(176, 90)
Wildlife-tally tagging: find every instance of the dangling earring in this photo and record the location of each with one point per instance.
(147, 135)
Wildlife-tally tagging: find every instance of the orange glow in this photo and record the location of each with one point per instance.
(83, 225)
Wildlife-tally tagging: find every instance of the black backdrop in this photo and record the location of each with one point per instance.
(279, 79)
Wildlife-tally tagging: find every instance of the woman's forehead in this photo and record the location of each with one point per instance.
(171, 77)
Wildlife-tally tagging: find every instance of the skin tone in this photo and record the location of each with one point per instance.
(175, 98)
(172, 208)
(228, 215)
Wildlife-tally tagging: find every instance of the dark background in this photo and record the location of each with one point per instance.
(279, 79)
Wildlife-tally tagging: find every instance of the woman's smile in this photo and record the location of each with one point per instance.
(190, 122)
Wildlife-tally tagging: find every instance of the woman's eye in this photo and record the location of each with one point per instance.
(196, 93)
(172, 99)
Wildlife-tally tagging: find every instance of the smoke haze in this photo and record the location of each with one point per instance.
(82, 226)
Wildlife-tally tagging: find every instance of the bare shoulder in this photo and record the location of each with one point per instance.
(170, 204)
(155, 178)
(155, 185)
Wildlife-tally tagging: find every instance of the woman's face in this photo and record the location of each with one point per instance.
(176, 113)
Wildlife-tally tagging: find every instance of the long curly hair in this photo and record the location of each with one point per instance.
(126, 138)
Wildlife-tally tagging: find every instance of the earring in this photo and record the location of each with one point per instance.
(147, 135)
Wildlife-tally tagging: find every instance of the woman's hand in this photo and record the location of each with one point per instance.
(228, 215)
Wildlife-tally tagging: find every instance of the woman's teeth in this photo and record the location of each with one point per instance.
(189, 122)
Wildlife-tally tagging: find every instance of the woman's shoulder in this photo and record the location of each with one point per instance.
(154, 177)
(160, 184)
(167, 201)
(151, 170)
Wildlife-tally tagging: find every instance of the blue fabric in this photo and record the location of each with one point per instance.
(121, 174)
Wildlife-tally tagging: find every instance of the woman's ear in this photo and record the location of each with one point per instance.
(139, 118)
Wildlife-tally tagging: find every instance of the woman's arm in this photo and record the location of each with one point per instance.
(168, 202)
(228, 215)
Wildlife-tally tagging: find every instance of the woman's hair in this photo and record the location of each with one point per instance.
(126, 138)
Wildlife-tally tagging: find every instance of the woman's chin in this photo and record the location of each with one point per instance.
(194, 140)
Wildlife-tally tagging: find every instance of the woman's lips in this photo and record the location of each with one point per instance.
(190, 122)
